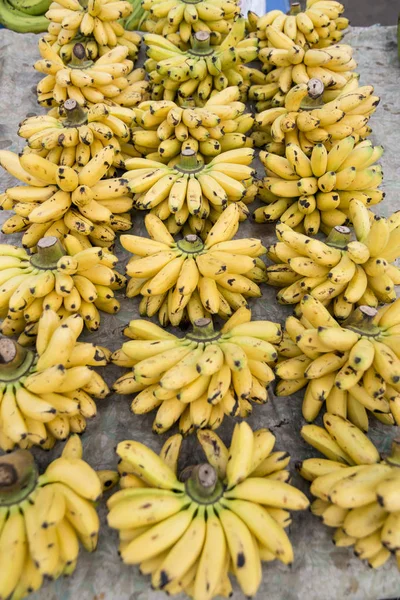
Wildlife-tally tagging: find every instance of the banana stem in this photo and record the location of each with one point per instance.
(49, 252)
(191, 244)
(339, 237)
(18, 477)
(201, 42)
(203, 328)
(361, 321)
(75, 114)
(79, 59)
(12, 355)
(315, 89)
(203, 484)
(295, 8)
(188, 160)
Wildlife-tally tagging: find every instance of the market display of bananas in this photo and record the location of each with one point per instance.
(58, 199)
(317, 193)
(189, 530)
(47, 393)
(307, 120)
(201, 377)
(71, 135)
(288, 64)
(341, 270)
(24, 16)
(62, 280)
(176, 74)
(44, 519)
(165, 129)
(95, 18)
(362, 501)
(216, 275)
(109, 78)
(184, 18)
(353, 367)
(187, 193)
(318, 26)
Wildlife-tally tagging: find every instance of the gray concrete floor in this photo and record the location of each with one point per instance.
(368, 12)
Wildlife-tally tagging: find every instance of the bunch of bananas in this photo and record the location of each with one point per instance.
(318, 26)
(44, 518)
(66, 282)
(187, 532)
(180, 19)
(70, 135)
(137, 16)
(58, 199)
(164, 129)
(172, 277)
(360, 501)
(195, 73)
(188, 192)
(110, 77)
(354, 368)
(95, 18)
(47, 394)
(288, 64)
(315, 193)
(340, 270)
(24, 16)
(306, 120)
(201, 377)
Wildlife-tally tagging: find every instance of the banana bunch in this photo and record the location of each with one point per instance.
(164, 129)
(201, 377)
(195, 73)
(70, 135)
(45, 518)
(228, 513)
(110, 78)
(318, 26)
(339, 270)
(96, 19)
(173, 276)
(306, 120)
(315, 193)
(134, 20)
(360, 501)
(64, 281)
(354, 367)
(25, 16)
(48, 394)
(59, 199)
(188, 192)
(179, 19)
(288, 64)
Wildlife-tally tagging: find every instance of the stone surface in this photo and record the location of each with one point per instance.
(320, 571)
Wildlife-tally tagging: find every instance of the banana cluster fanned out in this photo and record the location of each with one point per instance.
(318, 26)
(188, 192)
(179, 20)
(164, 129)
(47, 395)
(341, 270)
(110, 77)
(176, 74)
(66, 282)
(42, 529)
(179, 279)
(69, 135)
(70, 19)
(58, 199)
(360, 501)
(287, 65)
(354, 368)
(306, 119)
(201, 377)
(188, 536)
(315, 193)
